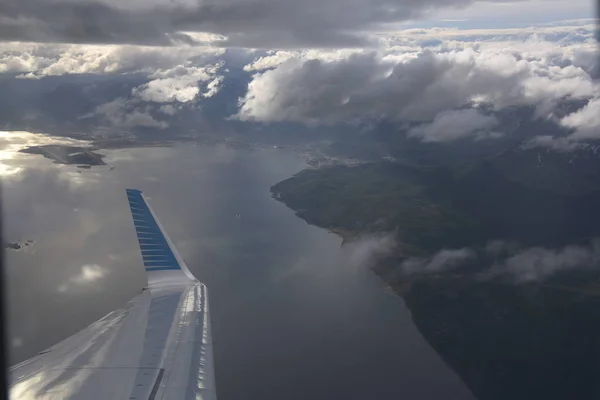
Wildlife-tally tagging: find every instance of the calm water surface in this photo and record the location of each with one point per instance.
(294, 314)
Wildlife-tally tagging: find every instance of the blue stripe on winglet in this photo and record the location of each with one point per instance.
(156, 253)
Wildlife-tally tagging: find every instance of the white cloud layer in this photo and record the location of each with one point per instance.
(406, 82)
(36, 60)
(585, 122)
(428, 77)
(178, 84)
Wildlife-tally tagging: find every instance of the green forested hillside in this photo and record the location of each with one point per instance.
(507, 340)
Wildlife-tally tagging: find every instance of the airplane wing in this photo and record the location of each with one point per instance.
(158, 346)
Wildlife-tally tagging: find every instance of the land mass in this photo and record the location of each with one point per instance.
(15, 245)
(507, 337)
(86, 157)
(60, 154)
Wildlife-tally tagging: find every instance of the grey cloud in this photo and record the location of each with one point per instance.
(441, 261)
(584, 125)
(562, 46)
(36, 60)
(496, 247)
(400, 82)
(437, 36)
(458, 124)
(520, 265)
(82, 22)
(168, 109)
(537, 263)
(585, 122)
(125, 114)
(413, 86)
(180, 84)
(141, 118)
(253, 23)
(555, 143)
(270, 60)
(298, 40)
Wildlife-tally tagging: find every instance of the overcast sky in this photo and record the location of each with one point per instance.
(433, 64)
(260, 23)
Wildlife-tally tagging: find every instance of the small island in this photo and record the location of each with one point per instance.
(84, 157)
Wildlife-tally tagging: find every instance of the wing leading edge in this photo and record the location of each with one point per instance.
(158, 346)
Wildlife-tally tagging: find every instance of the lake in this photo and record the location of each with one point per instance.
(294, 314)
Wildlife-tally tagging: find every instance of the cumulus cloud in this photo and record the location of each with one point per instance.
(585, 122)
(583, 125)
(179, 84)
(441, 261)
(174, 75)
(452, 125)
(35, 60)
(271, 60)
(417, 85)
(435, 79)
(523, 37)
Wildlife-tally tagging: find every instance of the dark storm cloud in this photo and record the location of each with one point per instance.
(87, 22)
(255, 23)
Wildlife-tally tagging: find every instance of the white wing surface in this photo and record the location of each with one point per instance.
(156, 347)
